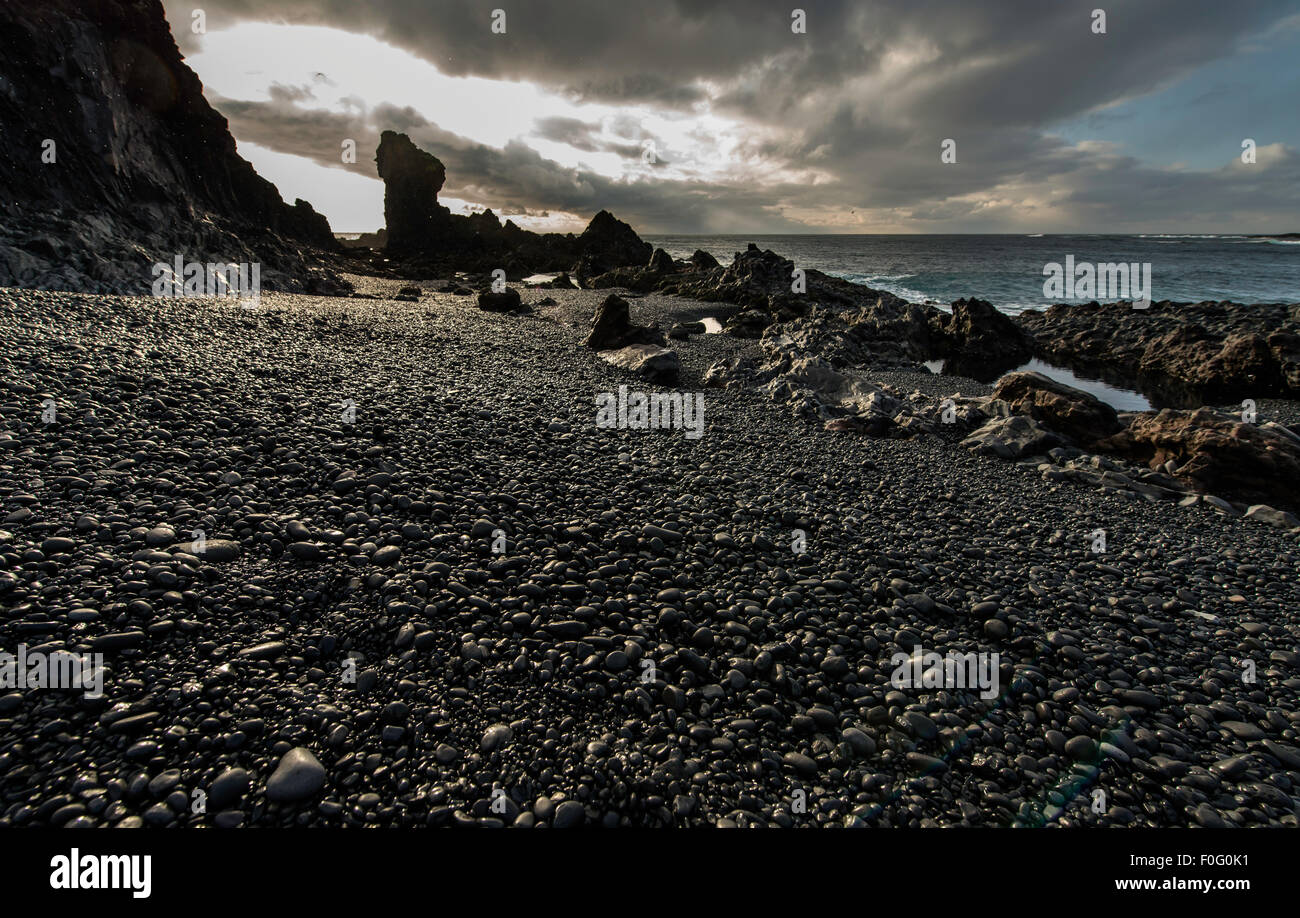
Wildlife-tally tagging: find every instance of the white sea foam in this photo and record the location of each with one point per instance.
(1190, 236)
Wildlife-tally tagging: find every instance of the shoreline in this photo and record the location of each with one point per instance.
(623, 546)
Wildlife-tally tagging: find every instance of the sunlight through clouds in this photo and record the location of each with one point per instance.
(319, 68)
(754, 128)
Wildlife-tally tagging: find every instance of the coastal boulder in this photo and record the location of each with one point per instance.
(640, 280)
(683, 330)
(748, 323)
(661, 262)
(612, 328)
(1215, 453)
(703, 261)
(980, 342)
(1078, 415)
(1011, 438)
(649, 360)
(1272, 516)
(731, 373)
(505, 301)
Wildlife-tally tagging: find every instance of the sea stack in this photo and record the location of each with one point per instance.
(412, 180)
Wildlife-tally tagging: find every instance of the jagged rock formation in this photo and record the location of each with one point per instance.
(426, 239)
(608, 242)
(767, 281)
(1216, 453)
(703, 261)
(641, 279)
(765, 285)
(842, 323)
(1189, 456)
(412, 179)
(794, 372)
(118, 162)
(1181, 353)
(1082, 417)
(612, 328)
(980, 342)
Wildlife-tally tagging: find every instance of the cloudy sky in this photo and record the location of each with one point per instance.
(716, 116)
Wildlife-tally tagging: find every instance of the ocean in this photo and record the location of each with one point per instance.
(1008, 270)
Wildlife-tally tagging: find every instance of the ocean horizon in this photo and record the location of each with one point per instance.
(1007, 269)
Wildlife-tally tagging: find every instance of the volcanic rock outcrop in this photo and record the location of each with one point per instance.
(1216, 453)
(1082, 417)
(412, 179)
(611, 327)
(857, 323)
(767, 281)
(1181, 353)
(642, 279)
(608, 242)
(117, 162)
(423, 238)
(980, 342)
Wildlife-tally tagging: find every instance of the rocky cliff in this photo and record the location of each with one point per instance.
(424, 239)
(412, 179)
(116, 161)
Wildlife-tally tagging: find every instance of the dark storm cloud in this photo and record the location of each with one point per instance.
(864, 98)
(583, 136)
(290, 94)
(1019, 59)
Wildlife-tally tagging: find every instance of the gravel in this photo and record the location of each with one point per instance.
(341, 644)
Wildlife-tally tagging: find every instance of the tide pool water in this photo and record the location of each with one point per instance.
(1118, 398)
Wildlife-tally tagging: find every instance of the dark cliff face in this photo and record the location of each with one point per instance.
(140, 159)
